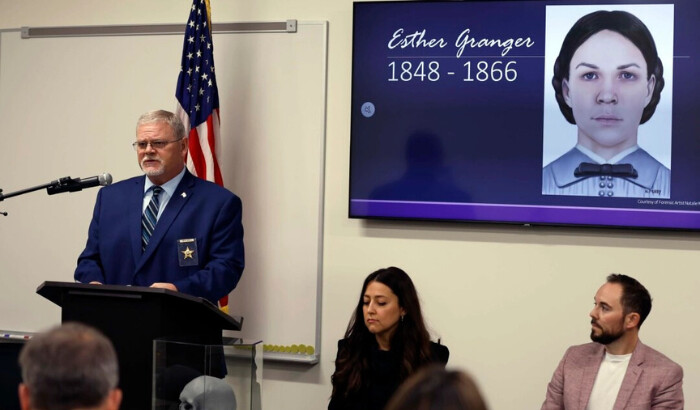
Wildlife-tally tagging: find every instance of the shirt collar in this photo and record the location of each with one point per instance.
(597, 158)
(170, 186)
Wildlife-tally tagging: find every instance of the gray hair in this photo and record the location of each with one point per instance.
(69, 366)
(164, 116)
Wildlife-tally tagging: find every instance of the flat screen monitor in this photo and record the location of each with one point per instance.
(527, 112)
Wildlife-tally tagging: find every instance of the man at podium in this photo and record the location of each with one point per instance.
(166, 229)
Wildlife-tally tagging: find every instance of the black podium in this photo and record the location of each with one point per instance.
(132, 317)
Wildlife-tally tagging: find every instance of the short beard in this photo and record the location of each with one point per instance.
(152, 172)
(606, 338)
(155, 172)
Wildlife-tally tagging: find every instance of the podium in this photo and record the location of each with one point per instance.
(132, 318)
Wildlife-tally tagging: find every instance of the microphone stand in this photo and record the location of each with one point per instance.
(1, 198)
(25, 191)
(48, 186)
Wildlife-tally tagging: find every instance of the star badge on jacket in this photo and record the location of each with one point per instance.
(187, 254)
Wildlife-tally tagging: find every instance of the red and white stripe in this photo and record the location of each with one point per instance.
(204, 147)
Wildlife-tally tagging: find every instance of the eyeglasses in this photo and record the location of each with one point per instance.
(142, 145)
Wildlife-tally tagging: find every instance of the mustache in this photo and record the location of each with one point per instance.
(150, 158)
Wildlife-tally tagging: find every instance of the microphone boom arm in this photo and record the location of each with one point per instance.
(23, 191)
(65, 184)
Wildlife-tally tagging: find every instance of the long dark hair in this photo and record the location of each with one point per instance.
(410, 342)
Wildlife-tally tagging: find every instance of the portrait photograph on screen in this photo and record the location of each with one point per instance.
(527, 112)
(615, 83)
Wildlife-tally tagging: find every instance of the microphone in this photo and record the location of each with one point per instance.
(68, 184)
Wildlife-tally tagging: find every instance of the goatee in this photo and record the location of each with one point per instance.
(605, 338)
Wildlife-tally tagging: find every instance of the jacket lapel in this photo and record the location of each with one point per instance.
(634, 370)
(135, 204)
(589, 374)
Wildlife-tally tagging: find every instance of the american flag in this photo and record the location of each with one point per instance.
(198, 98)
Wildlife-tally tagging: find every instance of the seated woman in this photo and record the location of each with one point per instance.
(386, 341)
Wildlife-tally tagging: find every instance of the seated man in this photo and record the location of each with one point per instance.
(70, 367)
(616, 371)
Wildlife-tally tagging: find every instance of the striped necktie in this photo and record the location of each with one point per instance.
(149, 218)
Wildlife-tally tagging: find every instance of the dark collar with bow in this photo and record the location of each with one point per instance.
(587, 169)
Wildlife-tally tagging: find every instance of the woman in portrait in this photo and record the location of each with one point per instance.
(386, 341)
(607, 80)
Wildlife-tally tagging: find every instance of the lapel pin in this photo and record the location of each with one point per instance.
(184, 195)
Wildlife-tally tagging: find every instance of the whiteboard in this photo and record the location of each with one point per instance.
(68, 107)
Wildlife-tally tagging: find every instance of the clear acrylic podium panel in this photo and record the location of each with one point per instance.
(193, 376)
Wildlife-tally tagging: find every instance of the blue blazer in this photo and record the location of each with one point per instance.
(197, 244)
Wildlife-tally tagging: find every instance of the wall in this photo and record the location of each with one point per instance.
(506, 300)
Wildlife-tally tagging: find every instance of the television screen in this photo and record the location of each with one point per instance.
(527, 112)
